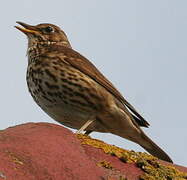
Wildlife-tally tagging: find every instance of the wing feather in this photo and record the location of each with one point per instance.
(84, 65)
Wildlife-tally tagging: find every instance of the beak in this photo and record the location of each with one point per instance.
(26, 29)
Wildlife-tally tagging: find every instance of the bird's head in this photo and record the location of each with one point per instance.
(45, 34)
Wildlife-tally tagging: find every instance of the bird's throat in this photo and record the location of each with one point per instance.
(38, 48)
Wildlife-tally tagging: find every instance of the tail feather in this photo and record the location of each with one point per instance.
(154, 149)
(126, 127)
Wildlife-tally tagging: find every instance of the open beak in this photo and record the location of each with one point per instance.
(26, 29)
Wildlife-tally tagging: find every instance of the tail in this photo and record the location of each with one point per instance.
(153, 149)
(126, 127)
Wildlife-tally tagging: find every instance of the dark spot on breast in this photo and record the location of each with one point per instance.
(80, 95)
(68, 88)
(84, 80)
(40, 89)
(50, 74)
(66, 59)
(72, 79)
(55, 62)
(47, 98)
(94, 96)
(62, 74)
(72, 75)
(64, 80)
(50, 94)
(86, 99)
(51, 86)
(38, 63)
(41, 63)
(65, 102)
(40, 81)
(59, 61)
(78, 102)
(58, 94)
(35, 92)
(55, 67)
(67, 93)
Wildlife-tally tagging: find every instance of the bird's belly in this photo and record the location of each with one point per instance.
(68, 99)
(68, 111)
(67, 115)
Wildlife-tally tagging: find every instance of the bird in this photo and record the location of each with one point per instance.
(72, 91)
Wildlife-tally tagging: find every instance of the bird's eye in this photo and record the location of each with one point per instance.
(48, 29)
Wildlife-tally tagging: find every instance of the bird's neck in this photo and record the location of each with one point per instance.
(38, 48)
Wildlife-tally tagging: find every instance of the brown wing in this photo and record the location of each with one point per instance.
(85, 66)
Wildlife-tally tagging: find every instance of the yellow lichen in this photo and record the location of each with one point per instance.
(105, 164)
(149, 164)
(17, 161)
(122, 154)
(161, 172)
(122, 178)
(15, 158)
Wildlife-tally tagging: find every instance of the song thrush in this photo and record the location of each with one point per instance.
(71, 90)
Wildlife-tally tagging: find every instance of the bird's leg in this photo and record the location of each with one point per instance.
(85, 126)
(88, 132)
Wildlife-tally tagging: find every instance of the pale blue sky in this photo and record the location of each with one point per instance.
(140, 45)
